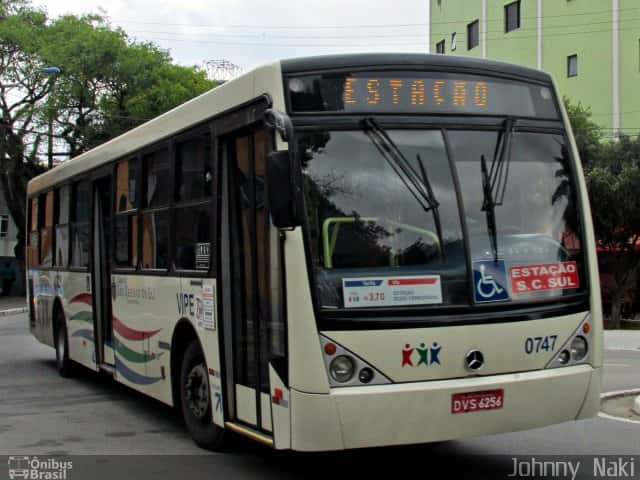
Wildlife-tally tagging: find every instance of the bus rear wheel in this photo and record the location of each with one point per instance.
(63, 363)
(195, 400)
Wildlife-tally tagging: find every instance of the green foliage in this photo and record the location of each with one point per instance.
(108, 84)
(588, 134)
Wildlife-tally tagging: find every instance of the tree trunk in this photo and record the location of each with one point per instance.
(616, 309)
(625, 279)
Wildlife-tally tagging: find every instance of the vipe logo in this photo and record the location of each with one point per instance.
(33, 468)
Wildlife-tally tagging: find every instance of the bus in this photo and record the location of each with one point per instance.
(330, 253)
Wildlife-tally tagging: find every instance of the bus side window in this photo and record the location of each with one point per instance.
(46, 231)
(155, 218)
(126, 215)
(33, 252)
(194, 183)
(80, 225)
(63, 201)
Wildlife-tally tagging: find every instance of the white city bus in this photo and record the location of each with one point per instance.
(333, 252)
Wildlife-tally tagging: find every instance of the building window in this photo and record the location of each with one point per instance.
(4, 226)
(454, 43)
(440, 47)
(572, 66)
(473, 35)
(512, 16)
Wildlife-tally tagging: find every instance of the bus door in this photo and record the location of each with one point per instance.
(100, 275)
(246, 258)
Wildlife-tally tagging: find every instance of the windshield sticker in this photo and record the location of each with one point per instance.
(490, 281)
(544, 276)
(391, 291)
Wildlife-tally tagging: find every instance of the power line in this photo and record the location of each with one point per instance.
(264, 34)
(351, 26)
(297, 45)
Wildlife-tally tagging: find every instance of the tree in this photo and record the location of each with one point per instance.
(612, 171)
(108, 84)
(587, 133)
(613, 184)
(22, 88)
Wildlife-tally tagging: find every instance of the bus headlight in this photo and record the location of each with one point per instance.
(342, 368)
(579, 348)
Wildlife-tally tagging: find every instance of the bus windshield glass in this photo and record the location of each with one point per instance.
(385, 218)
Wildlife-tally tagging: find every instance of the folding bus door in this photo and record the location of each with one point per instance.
(100, 275)
(250, 286)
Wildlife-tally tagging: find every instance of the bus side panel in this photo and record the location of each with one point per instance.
(597, 357)
(199, 306)
(75, 289)
(144, 316)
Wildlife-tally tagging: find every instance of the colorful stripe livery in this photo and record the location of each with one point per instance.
(134, 377)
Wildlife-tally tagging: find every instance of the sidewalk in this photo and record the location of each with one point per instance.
(12, 305)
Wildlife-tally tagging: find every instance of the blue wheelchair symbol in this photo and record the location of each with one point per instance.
(490, 281)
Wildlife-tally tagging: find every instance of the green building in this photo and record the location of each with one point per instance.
(591, 47)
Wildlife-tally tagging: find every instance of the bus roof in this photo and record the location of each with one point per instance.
(266, 79)
(262, 80)
(411, 60)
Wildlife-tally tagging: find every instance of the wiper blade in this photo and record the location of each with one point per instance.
(417, 183)
(494, 181)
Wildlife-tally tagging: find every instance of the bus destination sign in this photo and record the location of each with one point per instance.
(412, 92)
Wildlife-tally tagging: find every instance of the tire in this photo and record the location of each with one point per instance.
(64, 364)
(195, 400)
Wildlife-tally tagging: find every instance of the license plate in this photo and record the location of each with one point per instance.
(474, 401)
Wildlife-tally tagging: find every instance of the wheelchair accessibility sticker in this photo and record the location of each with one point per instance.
(490, 281)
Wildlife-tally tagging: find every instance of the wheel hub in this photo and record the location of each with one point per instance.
(197, 391)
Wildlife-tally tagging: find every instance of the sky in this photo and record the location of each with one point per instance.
(251, 32)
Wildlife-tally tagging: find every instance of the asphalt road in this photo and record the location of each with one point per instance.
(43, 414)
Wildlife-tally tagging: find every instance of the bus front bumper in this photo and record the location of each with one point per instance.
(408, 413)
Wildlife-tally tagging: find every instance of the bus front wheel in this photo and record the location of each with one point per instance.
(195, 399)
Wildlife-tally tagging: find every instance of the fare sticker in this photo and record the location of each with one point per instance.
(391, 291)
(543, 277)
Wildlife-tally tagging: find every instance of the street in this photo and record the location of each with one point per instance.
(43, 414)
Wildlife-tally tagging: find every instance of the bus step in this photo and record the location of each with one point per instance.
(250, 432)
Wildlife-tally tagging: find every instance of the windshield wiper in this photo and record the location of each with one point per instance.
(494, 181)
(417, 183)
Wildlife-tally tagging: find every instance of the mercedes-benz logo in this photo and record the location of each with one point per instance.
(474, 360)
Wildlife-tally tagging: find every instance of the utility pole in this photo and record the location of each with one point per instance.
(50, 143)
(53, 71)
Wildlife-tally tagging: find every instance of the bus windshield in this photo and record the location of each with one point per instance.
(375, 243)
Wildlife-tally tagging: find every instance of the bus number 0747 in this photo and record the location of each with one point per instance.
(536, 344)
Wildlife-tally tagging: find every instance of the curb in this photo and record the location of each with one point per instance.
(617, 394)
(13, 311)
(620, 393)
(636, 405)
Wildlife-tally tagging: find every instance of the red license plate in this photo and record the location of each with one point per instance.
(473, 401)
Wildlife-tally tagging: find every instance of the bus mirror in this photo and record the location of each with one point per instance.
(284, 189)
